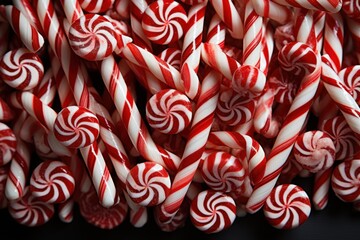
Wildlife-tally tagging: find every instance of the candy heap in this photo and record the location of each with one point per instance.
(200, 109)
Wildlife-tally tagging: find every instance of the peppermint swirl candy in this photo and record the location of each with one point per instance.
(298, 59)
(345, 180)
(283, 85)
(249, 81)
(105, 218)
(351, 8)
(76, 127)
(345, 141)
(169, 111)
(96, 6)
(52, 182)
(31, 211)
(163, 22)
(148, 184)
(212, 211)
(92, 37)
(351, 78)
(172, 56)
(234, 109)
(223, 172)
(288, 206)
(314, 151)
(7, 144)
(21, 69)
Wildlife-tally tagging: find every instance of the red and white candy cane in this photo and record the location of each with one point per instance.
(66, 210)
(345, 181)
(26, 8)
(337, 91)
(121, 7)
(272, 10)
(52, 182)
(137, 9)
(216, 31)
(7, 144)
(28, 34)
(302, 56)
(288, 206)
(314, 151)
(169, 111)
(230, 16)
(200, 129)
(212, 211)
(163, 22)
(350, 76)
(304, 28)
(351, 8)
(30, 211)
(254, 154)
(95, 6)
(321, 188)
(332, 6)
(21, 69)
(148, 184)
(178, 221)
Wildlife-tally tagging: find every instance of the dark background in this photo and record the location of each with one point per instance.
(337, 221)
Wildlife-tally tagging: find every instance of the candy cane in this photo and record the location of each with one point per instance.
(351, 8)
(137, 9)
(122, 8)
(65, 209)
(321, 188)
(26, 8)
(304, 30)
(292, 124)
(272, 10)
(216, 31)
(327, 5)
(96, 6)
(195, 146)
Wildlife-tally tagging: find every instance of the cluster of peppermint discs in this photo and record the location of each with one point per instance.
(169, 110)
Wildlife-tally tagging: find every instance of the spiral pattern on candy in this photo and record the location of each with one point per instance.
(76, 127)
(21, 69)
(212, 211)
(31, 211)
(223, 172)
(169, 111)
(351, 8)
(248, 80)
(234, 109)
(148, 184)
(7, 144)
(105, 218)
(96, 6)
(92, 37)
(345, 180)
(172, 56)
(288, 206)
(52, 182)
(163, 22)
(314, 151)
(351, 78)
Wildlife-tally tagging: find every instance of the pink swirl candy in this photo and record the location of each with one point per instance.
(223, 172)
(21, 69)
(234, 109)
(212, 211)
(92, 37)
(169, 111)
(31, 211)
(105, 218)
(52, 182)
(148, 184)
(345, 180)
(163, 22)
(314, 151)
(76, 127)
(288, 206)
(7, 144)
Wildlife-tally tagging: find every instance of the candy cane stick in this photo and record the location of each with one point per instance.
(267, 50)
(96, 6)
(304, 30)
(321, 188)
(26, 8)
(28, 34)
(292, 124)
(137, 9)
(216, 31)
(195, 145)
(342, 98)
(319, 26)
(272, 10)
(327, 5)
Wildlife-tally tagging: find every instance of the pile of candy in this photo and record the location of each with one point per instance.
(200, 109)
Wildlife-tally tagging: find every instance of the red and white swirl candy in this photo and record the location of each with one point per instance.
(345, 180)
(76, 127)
(314, 151)
(92, 37)
(105, 218)
(52, 182)
(148, 184)
(31, 211)
(351, 8)
(249, 80)
(234, 109)
(7, 144)
(169, 111)
(163, 22)
(287, 206)
(21, 69)
(351, 78)
(212, 211)
(222, 172)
